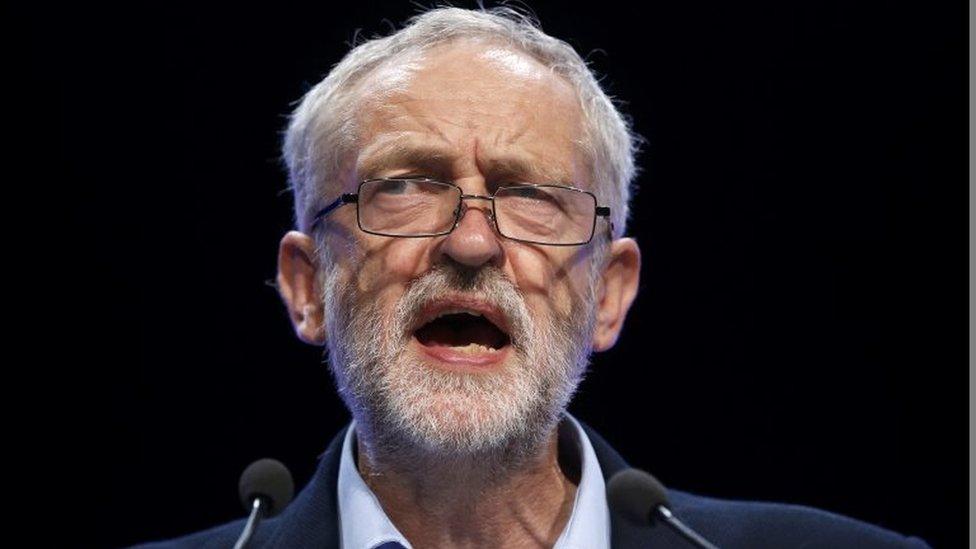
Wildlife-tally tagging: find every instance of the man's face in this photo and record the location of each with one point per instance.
(465, 342)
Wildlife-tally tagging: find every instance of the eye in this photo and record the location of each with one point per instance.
(392, 186)
(529, 193)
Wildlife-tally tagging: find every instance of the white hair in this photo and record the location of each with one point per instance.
(322, 128)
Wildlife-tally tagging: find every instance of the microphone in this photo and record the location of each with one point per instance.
(266, 488)
(640, 498)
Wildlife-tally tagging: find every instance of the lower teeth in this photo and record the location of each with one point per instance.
(473, 348)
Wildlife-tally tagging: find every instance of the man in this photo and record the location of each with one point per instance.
(461, 191)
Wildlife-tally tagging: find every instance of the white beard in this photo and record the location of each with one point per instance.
(406, 408)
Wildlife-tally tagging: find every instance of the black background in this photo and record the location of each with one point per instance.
(800, 334)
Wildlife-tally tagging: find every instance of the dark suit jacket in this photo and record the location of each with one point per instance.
(311, 521)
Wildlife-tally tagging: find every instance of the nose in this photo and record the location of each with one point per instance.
(473, 242)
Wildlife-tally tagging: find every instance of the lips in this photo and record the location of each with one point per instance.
(463, 331)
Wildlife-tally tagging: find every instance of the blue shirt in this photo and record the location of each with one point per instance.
(364, 525)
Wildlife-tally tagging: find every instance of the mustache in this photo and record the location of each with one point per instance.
(487, 283)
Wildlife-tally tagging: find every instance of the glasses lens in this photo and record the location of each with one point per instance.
(546, 214)
(407, 207)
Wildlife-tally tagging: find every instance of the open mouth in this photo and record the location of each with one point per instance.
(463, 335)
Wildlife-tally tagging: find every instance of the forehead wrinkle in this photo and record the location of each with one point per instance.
(398, 108)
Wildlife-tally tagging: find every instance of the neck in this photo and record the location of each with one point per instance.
(473, 501)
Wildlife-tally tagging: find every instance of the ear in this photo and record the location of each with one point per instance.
(618, 288)
(298, 286)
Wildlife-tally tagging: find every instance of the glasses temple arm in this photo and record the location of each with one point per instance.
(347, 198)
(604, 211)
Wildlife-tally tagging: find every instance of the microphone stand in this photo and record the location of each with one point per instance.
(680, 527)
(252, 523)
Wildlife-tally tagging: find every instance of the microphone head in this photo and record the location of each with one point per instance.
(635, 494)
(268, 479)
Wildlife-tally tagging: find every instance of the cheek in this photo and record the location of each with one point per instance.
(387, 264)
(549, 280)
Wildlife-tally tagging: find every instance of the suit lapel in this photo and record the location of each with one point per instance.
(625, 534)
(312, 520)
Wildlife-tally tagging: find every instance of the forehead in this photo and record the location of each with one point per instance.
(475, 100)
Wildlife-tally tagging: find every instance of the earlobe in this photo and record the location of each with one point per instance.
(298, 286)
(618, 289)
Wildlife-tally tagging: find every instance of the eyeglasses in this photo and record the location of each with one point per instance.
(553, 215)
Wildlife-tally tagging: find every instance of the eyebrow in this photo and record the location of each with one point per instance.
(401, 153)
(524, 168)
(437, 158)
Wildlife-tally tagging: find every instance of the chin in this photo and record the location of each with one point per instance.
(450, 410)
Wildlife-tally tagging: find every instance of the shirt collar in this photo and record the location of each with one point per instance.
(362, 522)
(364, 525)
(589, 524)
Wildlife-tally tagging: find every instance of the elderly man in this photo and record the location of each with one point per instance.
(461, 191)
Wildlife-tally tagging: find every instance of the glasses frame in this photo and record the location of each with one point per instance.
(353, 198)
